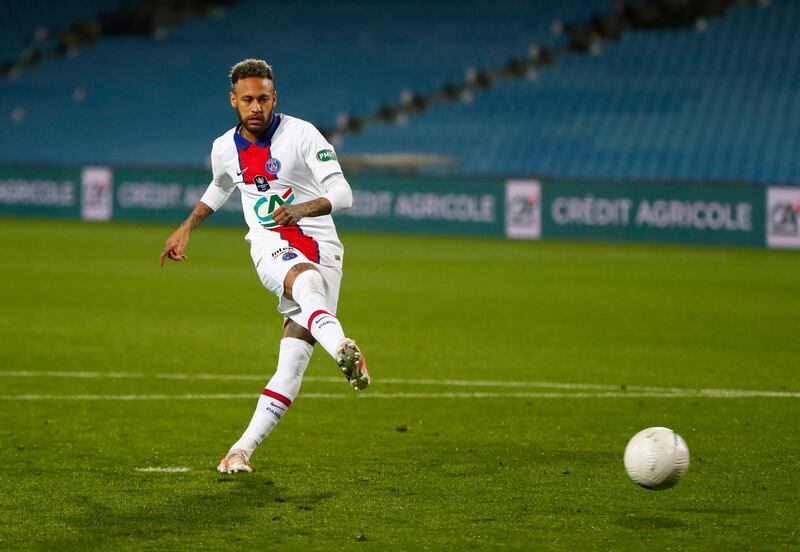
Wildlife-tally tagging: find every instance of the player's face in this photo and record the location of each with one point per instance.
(254, 98)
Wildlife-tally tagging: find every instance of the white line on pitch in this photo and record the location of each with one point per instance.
(163, 470)
(379, 395)
(144, 397)
(418, 381)
(67, 374)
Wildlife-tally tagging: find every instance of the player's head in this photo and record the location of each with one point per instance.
(253, 95)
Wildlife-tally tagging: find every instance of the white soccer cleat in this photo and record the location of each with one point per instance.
(234, 462)
(353, 365)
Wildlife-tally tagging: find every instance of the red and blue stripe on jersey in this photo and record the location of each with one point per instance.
(305, 244)
(253, 157)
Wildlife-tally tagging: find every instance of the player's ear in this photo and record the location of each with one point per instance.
(274, 98)
(233, 100)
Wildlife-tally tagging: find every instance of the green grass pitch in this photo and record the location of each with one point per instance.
(444, 451)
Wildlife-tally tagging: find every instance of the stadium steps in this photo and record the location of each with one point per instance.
(676, 104)
(723, 103)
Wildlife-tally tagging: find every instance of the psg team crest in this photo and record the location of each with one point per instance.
(261, 183)
(272, 165)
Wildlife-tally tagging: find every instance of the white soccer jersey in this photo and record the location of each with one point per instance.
(286, 165)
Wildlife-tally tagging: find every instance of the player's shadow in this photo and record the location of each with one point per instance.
(651, 522)
(220, 502)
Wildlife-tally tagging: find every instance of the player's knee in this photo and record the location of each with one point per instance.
(311, 280)
(295, 330)
(303, 277)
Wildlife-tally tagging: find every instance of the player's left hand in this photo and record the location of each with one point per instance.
(286, 215)
(176, 245)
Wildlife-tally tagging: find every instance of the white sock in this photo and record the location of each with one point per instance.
(308, 291)
(278, 394)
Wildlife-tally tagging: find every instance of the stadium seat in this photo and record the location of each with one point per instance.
(718, 104)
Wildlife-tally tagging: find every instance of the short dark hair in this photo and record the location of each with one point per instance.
(250, 68)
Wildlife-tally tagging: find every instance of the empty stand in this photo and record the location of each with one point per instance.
(720, 104)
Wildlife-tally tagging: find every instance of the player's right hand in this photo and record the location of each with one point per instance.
(175, 246)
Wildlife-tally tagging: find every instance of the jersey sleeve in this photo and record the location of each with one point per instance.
(221, 186)
(318, 154)
(338, 192)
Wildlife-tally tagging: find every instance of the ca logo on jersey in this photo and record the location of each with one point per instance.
(265, 206)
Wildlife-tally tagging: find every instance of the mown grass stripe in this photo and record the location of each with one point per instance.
(626, 390)
(421, 395)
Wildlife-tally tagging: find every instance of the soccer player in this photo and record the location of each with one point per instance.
(290, 182)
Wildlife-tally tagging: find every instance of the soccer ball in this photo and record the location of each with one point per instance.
(656, 458)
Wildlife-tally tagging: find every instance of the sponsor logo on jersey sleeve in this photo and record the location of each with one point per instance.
(326, 155)
(289, 255)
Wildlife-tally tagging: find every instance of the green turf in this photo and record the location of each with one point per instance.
(432, 472)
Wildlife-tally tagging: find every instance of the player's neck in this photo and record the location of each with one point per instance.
(249, 136)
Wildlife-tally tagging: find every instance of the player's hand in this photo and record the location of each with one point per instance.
(176, 245)
(286, 214)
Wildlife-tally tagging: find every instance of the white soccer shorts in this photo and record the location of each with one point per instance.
(273, 263)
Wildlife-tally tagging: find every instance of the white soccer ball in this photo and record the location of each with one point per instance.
(656, 458)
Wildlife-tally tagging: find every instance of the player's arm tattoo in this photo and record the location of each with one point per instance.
(200, 213)
(291, 213)
(315, 207)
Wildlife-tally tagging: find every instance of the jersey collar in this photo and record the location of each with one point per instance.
(264, 140)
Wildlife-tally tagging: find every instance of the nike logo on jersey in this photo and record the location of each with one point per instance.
(240, 173)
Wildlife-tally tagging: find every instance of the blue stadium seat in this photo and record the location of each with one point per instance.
(166, 98)
(22, 18)
(720, 104)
